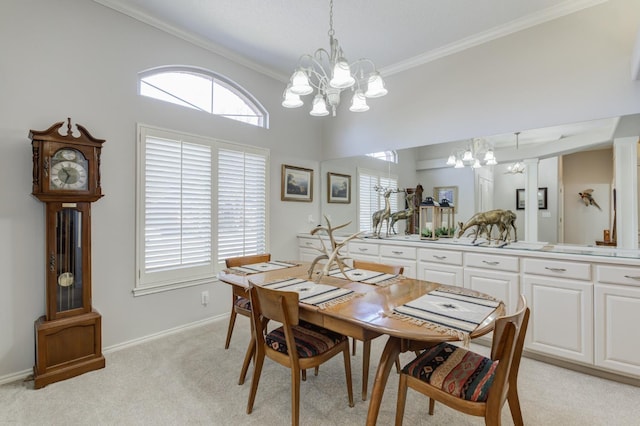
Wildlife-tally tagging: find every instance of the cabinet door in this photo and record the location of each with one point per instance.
(440, 273)
(561, 322)
(617, 314)
(501, 285)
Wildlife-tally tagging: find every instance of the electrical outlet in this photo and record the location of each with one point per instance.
(204, 298)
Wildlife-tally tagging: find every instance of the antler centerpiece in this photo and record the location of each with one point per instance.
(334, 256)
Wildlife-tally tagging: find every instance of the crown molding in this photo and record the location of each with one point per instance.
(139, 15)
(549, 14)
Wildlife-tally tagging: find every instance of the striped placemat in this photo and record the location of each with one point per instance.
(255, 268)
(452, 313)
(365, 276)
(321, 295)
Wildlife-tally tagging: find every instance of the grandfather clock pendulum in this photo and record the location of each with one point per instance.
(66, 177)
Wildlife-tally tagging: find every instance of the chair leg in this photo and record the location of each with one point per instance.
(353, 351)
(232, 321)
(347, 372)
(432, 406)
(366, 355)
(398, 368)
(315, 370)
(257, 369)
(251, 351)
(514, 406)
(304, 375)
(402, 398)
(295, 397)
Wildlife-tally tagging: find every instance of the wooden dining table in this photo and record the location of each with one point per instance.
(367, 315)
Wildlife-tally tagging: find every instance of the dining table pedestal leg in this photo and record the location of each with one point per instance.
(387, 360)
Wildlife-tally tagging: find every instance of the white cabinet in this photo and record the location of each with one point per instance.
(494, 275)
(561, 322)
(309, 248)
(617, 314)
(440, 266)
(400, 255)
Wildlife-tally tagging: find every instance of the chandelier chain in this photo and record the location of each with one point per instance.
(331, 31)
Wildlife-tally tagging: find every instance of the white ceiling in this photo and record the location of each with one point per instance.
(270, 35)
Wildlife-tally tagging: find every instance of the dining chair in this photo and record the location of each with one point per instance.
(296, 344)
(366, 344)
(467, 381)
(239, 301)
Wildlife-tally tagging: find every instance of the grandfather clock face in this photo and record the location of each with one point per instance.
(68, 248)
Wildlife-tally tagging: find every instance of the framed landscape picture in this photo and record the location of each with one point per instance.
(338, 188)
(297, 184)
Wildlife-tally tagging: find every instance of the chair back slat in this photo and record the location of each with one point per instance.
(378, 267)
(276, 305)
(247, 260)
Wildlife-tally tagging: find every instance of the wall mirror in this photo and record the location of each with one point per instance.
(563, 153)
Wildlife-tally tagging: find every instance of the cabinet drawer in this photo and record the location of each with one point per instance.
(489, 261)
(554, 268)
(440, 256)
(363, 249)
(625, 275)
(309, 243)
(398, 251)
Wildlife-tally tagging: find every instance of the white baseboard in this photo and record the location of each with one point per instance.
(26, 374)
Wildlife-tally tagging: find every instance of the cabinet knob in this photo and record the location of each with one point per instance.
(555, 269)
(492, 263)
(631, 277)
(440, 257)
(363, 249)
(396, 252)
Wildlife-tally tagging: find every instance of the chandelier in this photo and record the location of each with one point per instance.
(472, 155)
(361, 76)
(518, 166)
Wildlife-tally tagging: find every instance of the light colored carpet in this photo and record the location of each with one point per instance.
(188, 378)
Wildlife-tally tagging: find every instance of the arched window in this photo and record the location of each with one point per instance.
(203, 90)
(390, 156)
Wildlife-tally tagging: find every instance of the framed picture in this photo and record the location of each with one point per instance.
(338, 188)
(297, 184)
(542, 198)
(449, 193)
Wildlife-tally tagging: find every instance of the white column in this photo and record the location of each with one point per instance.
(531, 199)
(625, 153)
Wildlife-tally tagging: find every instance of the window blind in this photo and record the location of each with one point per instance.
(242, 204)
(370, 200)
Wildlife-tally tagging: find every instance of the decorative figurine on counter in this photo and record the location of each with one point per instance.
(587, 198)
(485, 221)
(382, 215)
(335, 257)
(405, 214)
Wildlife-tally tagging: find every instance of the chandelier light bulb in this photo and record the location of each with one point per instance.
(459, 164)
(467, 156)
(300, 83)
(375, 86)
(491, 162)
(342, 78)
(476, 164)
(291, 100)
(319, 106)
(359, 102)
(451, 161)
(488, 156)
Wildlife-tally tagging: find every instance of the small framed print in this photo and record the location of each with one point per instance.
(297, 184)
(542, 198)
(449, 193)
(338, 188)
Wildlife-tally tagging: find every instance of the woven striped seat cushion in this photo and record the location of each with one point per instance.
(311, 340)
(454, 370)
(243, 303)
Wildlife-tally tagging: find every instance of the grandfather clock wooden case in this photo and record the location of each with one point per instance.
(66, 177)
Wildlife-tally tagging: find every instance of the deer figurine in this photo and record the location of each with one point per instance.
(403, 214)
(382, 215)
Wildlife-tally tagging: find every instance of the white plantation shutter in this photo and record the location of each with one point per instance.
(369, 201)
(179, 177)
(242, 203)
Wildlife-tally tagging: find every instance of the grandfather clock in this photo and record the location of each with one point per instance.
(66, 177)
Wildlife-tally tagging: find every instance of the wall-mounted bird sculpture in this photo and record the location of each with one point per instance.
(587, 198)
